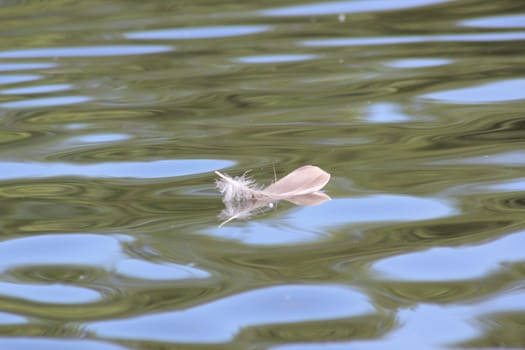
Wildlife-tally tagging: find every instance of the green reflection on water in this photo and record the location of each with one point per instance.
(350, 110)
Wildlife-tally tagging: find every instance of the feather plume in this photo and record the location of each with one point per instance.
(242, 196)
(237, 188)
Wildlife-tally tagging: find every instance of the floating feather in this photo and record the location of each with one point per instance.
(304, 180)
(242, 196)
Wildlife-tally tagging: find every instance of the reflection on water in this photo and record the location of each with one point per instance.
(274, 58)
(52, 294)
(391, 40)
(14, 66)
(337, 7)
(508, 21)
(35, 90)
(147, 170)
(197, 33)
(86, 51)
(419, 62)
(13, 79)
(223, 318)
(46, 102)
(114, 116)
(442, 264)
(500, 91)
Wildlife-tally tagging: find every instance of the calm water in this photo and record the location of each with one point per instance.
(114, 115)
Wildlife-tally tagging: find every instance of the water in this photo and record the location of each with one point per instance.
(114, 115)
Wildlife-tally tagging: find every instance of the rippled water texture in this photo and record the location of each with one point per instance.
(114, 115)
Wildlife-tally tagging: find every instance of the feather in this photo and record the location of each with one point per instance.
(242, 196)
(304, 180)
(237, 188)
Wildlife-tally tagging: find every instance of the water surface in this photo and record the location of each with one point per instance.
(114, 115)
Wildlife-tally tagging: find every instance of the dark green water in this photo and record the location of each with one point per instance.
(114, 115)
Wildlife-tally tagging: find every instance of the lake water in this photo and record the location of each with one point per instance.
(114, 116)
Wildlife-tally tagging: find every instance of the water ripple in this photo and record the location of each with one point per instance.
(46, 343)
(97, 138)
(86, 51)
(509, 21)
(510, 185)
(40, 89)
(462, 263)
(39, 190)
(14, 66)
(64, 249)
(11, 319)
(337, 7)
(110, 201)
(197, 32)
(46, 102)
(222, 319)
(144, 170)
(418, 331)
(49, 293)
(140, 269)
(391, 40)
(408, 63)
(63, 273)
(13, 79)
(308, 224)
(499, 91)
(15, 136)
(515, 158)
(386, 113)
(274, 58)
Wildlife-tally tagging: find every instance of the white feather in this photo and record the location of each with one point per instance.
(242, 197)
(239, 188)
(305, 180)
